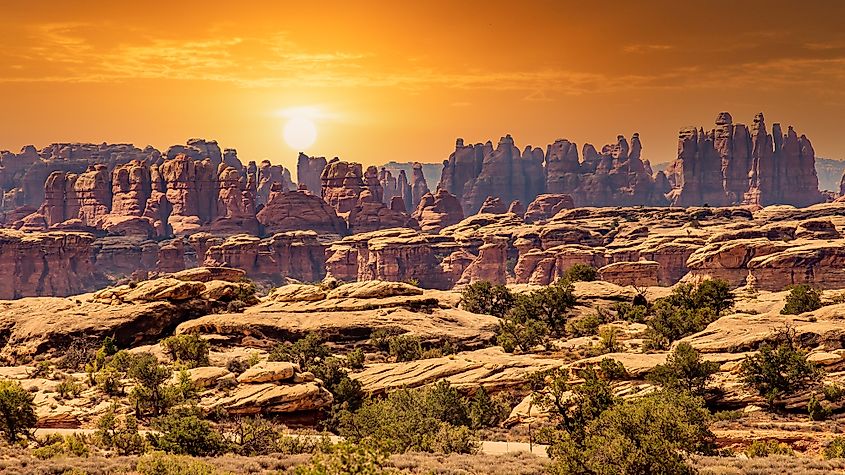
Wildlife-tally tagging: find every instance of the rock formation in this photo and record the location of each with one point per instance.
(732, 165)
(546, 206)
(298, 210)
(342, 183)
(371, 214)
(437, 211)
(309, 171)
(418, 186)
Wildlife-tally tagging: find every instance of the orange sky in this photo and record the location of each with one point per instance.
(401, 80)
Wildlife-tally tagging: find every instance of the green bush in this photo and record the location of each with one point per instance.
(405, 347)
(428, 419)
(652, 434)
(69, 388)
(630, 312)
(484, 297)
(684, 370)
(580, 272)
(305, 351)
(669, 323)
(780, 370)
(190, 350)
(487, 411)
(816, 410)
(833, 392)
(587, 325)
(355, 359)
(609, 340)
(517, 334)
(765, 448)
(158, 463)
(151, 395)
(802, 298)
(535, 316)
(17, 411)
(185, 433)
(835, 449)
(120, 435)
(574, 407)
(346, 458)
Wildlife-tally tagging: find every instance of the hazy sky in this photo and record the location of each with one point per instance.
(401, 80)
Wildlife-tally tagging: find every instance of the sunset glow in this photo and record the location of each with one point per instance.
(402, 81)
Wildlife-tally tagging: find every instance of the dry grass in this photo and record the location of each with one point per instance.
(772, 465)
(21, 462)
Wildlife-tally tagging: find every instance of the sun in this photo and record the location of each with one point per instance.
(300, 133)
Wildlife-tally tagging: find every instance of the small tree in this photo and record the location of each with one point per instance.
(187, 434)
(652, 434)
(151, 395)
(780, 370)
(17, 410)
(580, 273)
(305, 352)
(484, 297)
(802, 298)
(684, 370)
(189, 349)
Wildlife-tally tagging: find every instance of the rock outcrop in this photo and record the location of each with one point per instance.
(731, 164)
(546, 206)
(342, 183)
(298, 211)
(437, 211)
(309, 171)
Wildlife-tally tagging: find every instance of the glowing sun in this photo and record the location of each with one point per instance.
(300, 133)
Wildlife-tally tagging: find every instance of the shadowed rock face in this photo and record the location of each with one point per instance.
(308, 172)
(731, 164)
(614, 177)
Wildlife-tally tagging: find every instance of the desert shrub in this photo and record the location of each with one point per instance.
(669, 323)
(802, 298)
(612, 370)
(487, 411)
(251, 436)
(109, 380)
(630, 312)
(684, 370)
(305, 351)
(120, 435)
(727, 416)
(78, 353)
(816, 410)
(151, 395)
(69, 388)
(405, 347)
(609, 340)
(765, 448)
(580, 273)
(355, 359)
(17, 411)
(587, 325)
(190, 350)
(158, 463)
(427, 419)
(484, 297)
(835, 448)
(521, 334)
(380, 337)
(237, 365)
(184, 432)
(833, 392)
(687, 310)
(573, 407)
(652, 434)
(780, 370)
(535, 316)
(346, 458)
